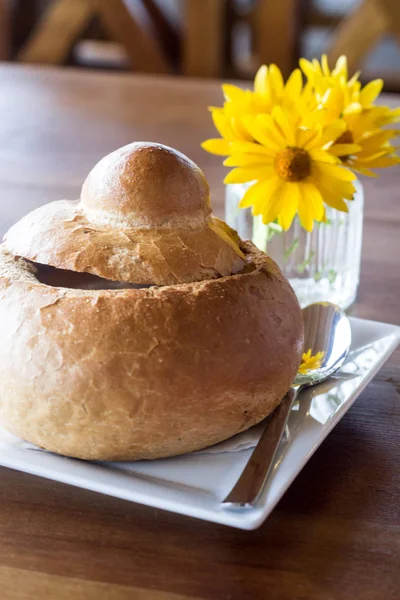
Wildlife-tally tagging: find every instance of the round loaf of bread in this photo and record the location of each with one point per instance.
(144, 373)
(135, 325)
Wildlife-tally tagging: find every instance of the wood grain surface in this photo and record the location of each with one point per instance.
(336, 532)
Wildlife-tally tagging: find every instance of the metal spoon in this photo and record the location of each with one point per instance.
(326, 329)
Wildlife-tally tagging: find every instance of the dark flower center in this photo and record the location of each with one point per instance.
(293, 164)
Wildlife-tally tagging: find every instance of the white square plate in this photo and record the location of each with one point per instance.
(195, 484)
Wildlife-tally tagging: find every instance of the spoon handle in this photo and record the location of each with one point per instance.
(252, 480)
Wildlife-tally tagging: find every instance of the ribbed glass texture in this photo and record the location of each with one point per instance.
(321, 265)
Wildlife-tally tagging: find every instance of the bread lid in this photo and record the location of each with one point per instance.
(144, 217)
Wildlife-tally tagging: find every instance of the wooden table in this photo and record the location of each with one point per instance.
(336, 533)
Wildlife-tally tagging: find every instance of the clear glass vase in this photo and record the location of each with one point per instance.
(321, 265)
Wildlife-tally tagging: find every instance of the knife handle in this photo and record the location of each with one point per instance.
(250, 484)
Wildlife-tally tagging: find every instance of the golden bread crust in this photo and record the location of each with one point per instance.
(131, 374)
(59, 234)
(145, 184)
(144, 218)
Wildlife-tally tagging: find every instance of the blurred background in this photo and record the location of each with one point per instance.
(203, 38)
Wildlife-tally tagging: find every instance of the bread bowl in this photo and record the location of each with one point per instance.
(134, 324)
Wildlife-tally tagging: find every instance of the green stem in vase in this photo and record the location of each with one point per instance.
(318, 275)
(301, 267)
(291, 249)
(332, 274)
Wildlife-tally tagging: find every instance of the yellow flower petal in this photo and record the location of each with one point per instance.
(304, 137)
(255, 194)
(354, 79)
(261, 135)
(329, 134)
(333, 103)
(376, 139)
(317, 67)
(249, 147)
(304, 211)
(232, 92)
(307, 68)
(325, 66)
(330, 198)
(281, 119)
(246, 160)
(353, 108)
(216, 146)
(323, 156)
(341, 67)
(383, 162)
(370, 92)
(291, 196)
(294, 84)
(344, 149)
(363, 170)
(337, 171)
(366, 157)
(312, 196)
(334, 201)
(340, 188)
(261, 81)
(262, 200)
(239, 131)
(270, 128)
(245, 174)
(276, 78)
(274, 206)
(221, 123)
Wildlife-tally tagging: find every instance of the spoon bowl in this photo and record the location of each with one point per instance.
(326, 329)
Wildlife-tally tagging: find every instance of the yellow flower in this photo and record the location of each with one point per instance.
(322, 79)
(374, 150)
(364, 145)
(296, 143)
(348, 95)
(310, 362)
(293, 170)
(269, 91)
